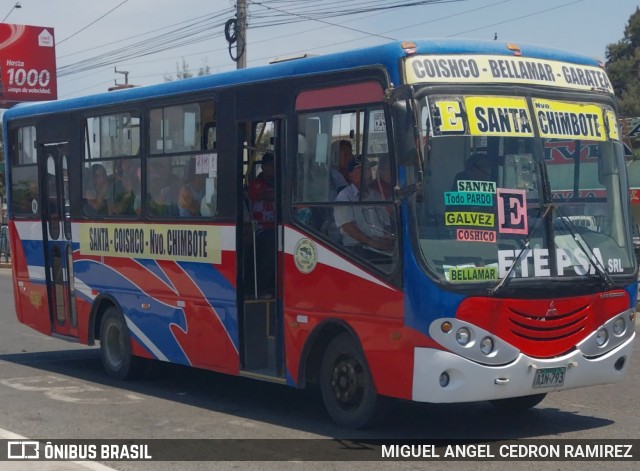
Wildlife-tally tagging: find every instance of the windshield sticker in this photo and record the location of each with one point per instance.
(496, 116)
(512, 211)
(563, 120)
(504, 69)
(475, 235)
(567, 262)
(456, 218)
(478, 186)
(464, 198)
(472, 274)
(451, 117)
(379, 124)
(612, 125)
(531, 263)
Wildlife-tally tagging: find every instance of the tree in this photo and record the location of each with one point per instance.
(623, 67)
(183, 72)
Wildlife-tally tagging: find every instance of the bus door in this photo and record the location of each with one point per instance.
(259, 258)
(57, 240)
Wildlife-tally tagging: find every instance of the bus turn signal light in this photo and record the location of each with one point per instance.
(515, 48)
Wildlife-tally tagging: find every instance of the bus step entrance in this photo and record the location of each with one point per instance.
(260, 352)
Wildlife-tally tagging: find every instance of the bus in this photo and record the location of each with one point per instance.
(478, 249)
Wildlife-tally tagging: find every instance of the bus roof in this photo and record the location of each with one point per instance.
(387, 55)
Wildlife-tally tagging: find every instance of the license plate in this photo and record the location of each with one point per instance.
(549, 377)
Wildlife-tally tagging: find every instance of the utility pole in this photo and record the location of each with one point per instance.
(241, 32)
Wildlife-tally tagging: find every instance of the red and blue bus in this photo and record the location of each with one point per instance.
(448, 221)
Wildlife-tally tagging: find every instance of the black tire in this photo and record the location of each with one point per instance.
(115, 346)
(346, 384)
(518, 404)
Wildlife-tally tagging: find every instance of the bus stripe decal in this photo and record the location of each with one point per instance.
(329, 258)
(145, 340)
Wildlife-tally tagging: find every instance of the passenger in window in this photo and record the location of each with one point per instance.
(162, 187)
(191, 192)
(478, 167)
(96, 195)
(262, 194)
(362, 227)
(341, 152)
(126, 185)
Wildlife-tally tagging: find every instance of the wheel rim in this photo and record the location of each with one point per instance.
(115, 346)
(347, 383)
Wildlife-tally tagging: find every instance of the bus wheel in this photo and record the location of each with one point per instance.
(518, 404)
(115, 346)
(346, 384)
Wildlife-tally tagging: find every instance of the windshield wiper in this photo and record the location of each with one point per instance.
(587, 250)
(503, 283)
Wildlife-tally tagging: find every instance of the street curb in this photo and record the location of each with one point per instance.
(5, 265)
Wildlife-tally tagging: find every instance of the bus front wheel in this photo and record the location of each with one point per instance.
(347, 387)
(518, 404)
(115, 346)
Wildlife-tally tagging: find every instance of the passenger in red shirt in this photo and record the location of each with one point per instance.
(263, 209)
(262, 194)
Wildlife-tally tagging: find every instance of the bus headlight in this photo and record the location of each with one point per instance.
(486, 345)
(619, 326)
(601, 337)
(463, 336)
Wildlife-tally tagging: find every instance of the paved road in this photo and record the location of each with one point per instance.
(53, 389)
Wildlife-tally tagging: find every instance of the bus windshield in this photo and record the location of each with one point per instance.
(521, 188)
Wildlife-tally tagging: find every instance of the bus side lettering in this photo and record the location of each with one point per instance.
(99, 239)
(187, 243)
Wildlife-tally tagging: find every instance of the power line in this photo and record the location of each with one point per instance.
(186, 34)
(92, 23)
(325, 22)
(162, 43)
(513, 19)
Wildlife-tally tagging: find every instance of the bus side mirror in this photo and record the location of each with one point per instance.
(405, 133)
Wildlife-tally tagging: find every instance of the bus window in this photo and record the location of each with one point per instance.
(24, 171)
(111, 180)
(175, 129)
(113, 136)
(179, 181)
(324, 189)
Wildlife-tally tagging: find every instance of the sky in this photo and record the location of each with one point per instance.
(85, 29)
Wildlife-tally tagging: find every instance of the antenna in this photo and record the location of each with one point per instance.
(126, 77)
(121, 86)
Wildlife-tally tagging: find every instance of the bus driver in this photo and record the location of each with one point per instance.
(361, 226)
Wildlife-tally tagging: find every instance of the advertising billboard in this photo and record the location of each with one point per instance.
(27, 64)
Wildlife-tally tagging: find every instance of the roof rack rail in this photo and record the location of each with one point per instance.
(292, 57)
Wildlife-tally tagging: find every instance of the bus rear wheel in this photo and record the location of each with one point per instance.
(518, 404)
(347, 387)
(115, 346)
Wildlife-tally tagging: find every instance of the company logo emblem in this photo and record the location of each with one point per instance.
(45, 39)
(552, 311)
(305, 255)
(23, 450)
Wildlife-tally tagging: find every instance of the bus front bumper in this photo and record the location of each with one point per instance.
(468, 381)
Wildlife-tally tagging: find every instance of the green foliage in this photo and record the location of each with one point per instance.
(623, 67)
